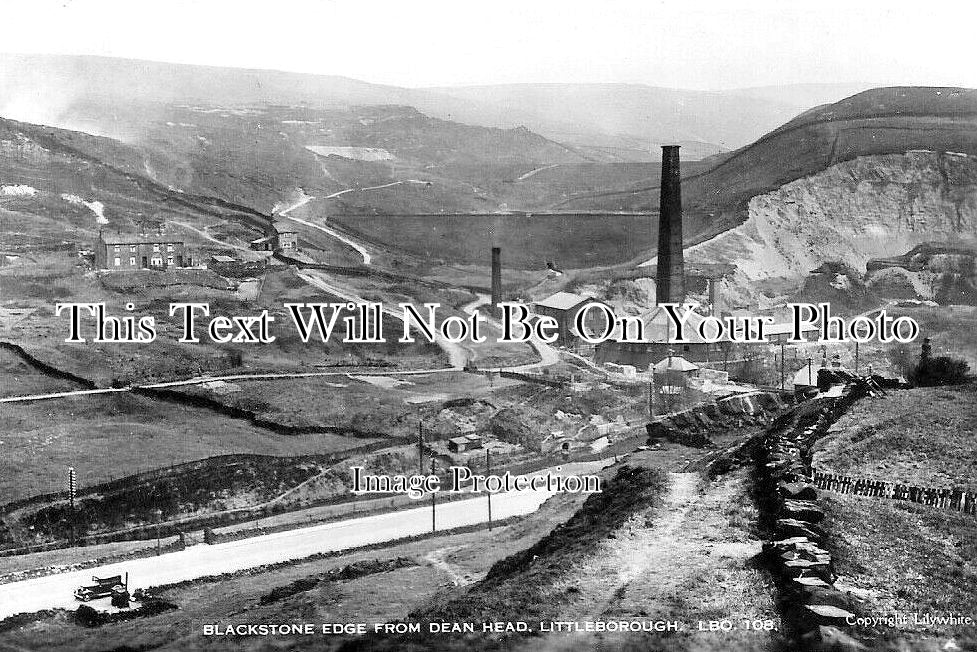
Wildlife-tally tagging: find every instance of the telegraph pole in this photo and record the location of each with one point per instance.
(783, 363)
(488, 471)
(651, 396)
(434, 519)
(420, 448)
(72, 489)
(158, 513)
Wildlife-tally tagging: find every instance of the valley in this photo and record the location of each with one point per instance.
(218, 474)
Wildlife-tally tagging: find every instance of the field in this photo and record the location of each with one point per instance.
(896, 557)
(924, 437)
(901, 558)
(568, 241)
(106, 437)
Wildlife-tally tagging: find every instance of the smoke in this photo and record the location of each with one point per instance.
(57, 93)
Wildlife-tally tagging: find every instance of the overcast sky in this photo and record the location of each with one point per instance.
(675, 43)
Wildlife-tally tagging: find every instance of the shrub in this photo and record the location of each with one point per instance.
(941, 370)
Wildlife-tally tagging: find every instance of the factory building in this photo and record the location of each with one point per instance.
(563, 307)
(659, 342)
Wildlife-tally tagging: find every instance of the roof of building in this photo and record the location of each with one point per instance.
(114, 237)
(787, 328)
(563, 301)
(674, 363)
(659, 328)
(283, 226)
(460, 440)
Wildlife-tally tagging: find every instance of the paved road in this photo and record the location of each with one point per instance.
(200, 380)
(55, 591)
(360, 249)
(537, 171)
(548, 356)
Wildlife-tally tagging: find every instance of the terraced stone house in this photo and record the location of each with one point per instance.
(127, 251)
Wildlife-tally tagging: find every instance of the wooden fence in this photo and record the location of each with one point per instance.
(943, 497)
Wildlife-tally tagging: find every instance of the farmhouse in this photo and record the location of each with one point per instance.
(286, 237)
(126, 251)
(280, 236)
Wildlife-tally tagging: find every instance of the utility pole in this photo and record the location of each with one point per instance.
(783, 363)
(434, 519)
(72, 489)
(420, 448)
(651, 396)
(159, 517)
(856, 356)
(488, 471)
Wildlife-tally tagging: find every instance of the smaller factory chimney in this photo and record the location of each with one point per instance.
(496, 278)
(714, 296)
(670, 281)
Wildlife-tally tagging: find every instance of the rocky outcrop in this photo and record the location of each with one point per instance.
(931, 271)
(868, 207)
(692, 427)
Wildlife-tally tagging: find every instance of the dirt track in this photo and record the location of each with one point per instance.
(688, 560)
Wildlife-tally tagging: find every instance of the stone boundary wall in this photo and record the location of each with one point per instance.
(815, 612)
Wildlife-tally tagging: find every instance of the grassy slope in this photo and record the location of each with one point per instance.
(526, 586)
(921, 436)
(904, 558)
(106, 437)
(900, 557)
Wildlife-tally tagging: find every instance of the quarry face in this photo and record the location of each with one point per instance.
(869, 207)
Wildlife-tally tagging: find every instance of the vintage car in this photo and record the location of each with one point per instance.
(102, 588)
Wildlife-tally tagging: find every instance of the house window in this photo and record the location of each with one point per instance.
(116, 248)
(156, 247)
(118, 261)
(132, 261)
(132, 248)
(169, 247)
(157, 261)
(169, 260)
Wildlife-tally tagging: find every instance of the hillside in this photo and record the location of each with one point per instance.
(629, 121)
(879, 121)
(873, 175)
(604, 122)
(52, 173)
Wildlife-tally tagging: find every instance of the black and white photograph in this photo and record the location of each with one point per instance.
(522, 325)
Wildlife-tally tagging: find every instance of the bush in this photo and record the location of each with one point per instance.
(901, 358)
(941, 370)
(88, 617)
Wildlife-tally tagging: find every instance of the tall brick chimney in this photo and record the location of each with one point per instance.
(670, 282)
(496, 277)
